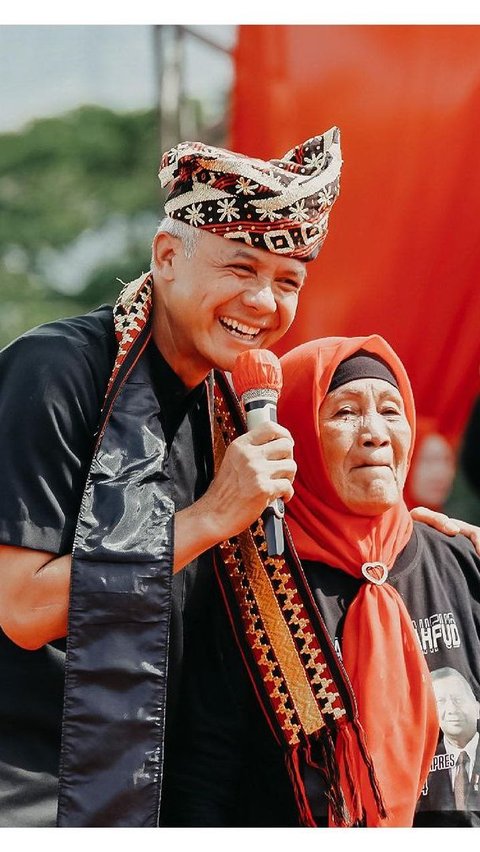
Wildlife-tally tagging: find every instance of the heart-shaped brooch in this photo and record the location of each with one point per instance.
(375, 572)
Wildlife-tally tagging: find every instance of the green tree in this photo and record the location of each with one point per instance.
(67, 180)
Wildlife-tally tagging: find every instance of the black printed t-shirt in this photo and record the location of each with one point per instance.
(438, 578)
(52, 385)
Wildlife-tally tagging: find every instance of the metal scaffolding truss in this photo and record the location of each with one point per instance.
(194, 74)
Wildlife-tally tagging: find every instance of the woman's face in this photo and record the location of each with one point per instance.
(365, 438)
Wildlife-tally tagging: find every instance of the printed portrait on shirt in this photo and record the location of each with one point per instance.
(454, 778)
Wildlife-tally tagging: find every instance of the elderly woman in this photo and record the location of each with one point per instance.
(399, 599)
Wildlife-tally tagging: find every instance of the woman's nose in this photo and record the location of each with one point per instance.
(373, 430)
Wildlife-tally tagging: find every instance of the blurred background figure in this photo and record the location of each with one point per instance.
(432, 469)
(464, 498)
(470, 453)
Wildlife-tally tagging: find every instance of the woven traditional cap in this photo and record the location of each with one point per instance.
(278, 205)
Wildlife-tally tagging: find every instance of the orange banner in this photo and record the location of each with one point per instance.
(403, 254)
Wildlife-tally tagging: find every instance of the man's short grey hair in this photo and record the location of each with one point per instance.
(448, 671)
(189, 235)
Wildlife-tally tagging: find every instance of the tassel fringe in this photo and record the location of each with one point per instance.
(337, 766)
(335, 758)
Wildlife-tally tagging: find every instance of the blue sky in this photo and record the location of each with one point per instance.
(48, 69)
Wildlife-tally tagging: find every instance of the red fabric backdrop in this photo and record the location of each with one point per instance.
(403, 254)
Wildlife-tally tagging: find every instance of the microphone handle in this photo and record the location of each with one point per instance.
(264, 411)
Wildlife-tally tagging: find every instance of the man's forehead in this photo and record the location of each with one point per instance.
(453, 685)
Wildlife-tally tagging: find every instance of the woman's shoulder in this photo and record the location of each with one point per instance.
(458, 547)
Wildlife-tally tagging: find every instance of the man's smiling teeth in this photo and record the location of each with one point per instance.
(238, 328)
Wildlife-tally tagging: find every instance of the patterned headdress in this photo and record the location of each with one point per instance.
(278, 205)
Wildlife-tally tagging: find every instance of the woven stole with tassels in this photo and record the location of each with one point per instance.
(300, 683)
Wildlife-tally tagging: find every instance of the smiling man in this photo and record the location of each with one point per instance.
(113, 501)
(238, 298)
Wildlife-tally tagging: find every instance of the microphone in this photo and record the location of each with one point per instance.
(257, 379)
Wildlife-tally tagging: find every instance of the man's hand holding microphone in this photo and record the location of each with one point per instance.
(258, 468)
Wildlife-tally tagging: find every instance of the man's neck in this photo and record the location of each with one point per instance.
(163, 339)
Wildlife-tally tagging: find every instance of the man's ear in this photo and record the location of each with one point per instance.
(165, 248)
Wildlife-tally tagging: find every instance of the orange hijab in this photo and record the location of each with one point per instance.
(381, 654)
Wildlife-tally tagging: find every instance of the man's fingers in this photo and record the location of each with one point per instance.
(266, 432)
(287, 492)
(470, 531)
(283, 469)
(447, 525)
(273, 480)
(280, 448)
(281, 488)
(437, 520)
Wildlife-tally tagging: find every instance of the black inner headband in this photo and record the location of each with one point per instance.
(361, 365)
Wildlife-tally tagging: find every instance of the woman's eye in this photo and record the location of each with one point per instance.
(345, 412)
(390, 411)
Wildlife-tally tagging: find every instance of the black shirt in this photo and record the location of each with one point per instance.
(221, 765)
(438, 578)
(52, 384)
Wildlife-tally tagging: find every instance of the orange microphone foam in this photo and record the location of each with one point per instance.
(257, 368)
